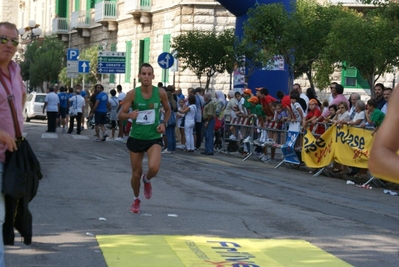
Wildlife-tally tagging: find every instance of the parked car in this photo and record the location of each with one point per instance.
(34, 106)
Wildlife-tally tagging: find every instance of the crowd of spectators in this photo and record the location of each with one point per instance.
(202, 119)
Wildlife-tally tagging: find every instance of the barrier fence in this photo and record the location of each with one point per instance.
(317, 146)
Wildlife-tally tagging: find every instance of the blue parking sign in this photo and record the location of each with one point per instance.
(72, 54)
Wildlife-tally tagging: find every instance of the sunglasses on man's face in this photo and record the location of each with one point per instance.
(5, 39)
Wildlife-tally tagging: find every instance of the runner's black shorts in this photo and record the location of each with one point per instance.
(140, 146)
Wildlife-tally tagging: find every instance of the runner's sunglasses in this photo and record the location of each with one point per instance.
(5, 39)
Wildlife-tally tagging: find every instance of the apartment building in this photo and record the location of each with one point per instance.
(9, 11)
(141, 28)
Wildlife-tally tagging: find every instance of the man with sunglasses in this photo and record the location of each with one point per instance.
(12, 80)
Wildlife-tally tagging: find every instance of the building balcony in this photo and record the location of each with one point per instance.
(105, 11)
(137, 6)
(80, 19)
(60, 26)
(354, 4)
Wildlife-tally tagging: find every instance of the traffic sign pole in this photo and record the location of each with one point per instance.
(165, 61)
(111, 62)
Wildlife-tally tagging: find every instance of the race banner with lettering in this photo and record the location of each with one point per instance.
(352, 146)
(288, 149)
(317, 153)
(349, 146)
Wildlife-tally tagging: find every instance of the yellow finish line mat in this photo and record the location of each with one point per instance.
(197, 251)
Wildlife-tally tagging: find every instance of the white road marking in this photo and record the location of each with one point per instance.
(77, 136)
(50, 135)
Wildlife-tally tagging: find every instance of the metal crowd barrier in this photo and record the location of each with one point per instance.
(245, 128)
(274, 136)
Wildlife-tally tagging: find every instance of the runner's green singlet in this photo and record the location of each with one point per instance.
(145, 126)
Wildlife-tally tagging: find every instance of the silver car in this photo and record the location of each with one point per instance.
(34, 106)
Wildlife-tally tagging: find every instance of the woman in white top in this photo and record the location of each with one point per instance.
(189, 122)
(360, 115)
(342, 116)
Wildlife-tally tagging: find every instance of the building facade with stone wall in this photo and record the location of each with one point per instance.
(9, 11)
(141, 28)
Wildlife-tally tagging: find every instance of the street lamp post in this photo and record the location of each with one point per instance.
(32, 31)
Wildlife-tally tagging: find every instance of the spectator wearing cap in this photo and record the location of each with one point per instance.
(285, 101)
(266, 101)
(247, 94)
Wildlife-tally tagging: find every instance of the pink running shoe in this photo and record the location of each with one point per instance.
(147, 188)
(135, 206)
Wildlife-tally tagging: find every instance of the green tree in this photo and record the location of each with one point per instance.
(63, 77)
(43, 61)
(204, 52)
(308, 27)
(91, 54)
(299, 36)
(368, 42)
(92, 77)
(265, 35)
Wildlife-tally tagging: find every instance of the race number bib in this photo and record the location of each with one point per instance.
(146, 117)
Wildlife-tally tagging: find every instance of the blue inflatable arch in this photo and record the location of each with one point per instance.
(274, 80)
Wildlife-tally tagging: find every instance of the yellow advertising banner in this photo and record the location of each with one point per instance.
(352, 146)
(317, 153)
(349, 146)
(200, 251)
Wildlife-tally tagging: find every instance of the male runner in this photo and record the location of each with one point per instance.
(146, 130)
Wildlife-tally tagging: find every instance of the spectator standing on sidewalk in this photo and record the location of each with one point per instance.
(51, 105)
(77, 102)
(209, 124)
(189, 122)
(199, 103)
(11, 75)
(121, 124)
(113, 106)
(100, 110)
(145, 135)
(63, 107)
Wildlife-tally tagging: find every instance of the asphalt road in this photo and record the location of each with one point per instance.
(210, 195)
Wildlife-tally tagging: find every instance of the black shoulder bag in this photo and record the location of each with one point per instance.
(22, 169)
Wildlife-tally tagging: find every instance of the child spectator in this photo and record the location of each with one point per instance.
(257, 112)
(280, 117)
(285, 101)
(374, 116)
(312, 117)
(296, 107)
(325, 108)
